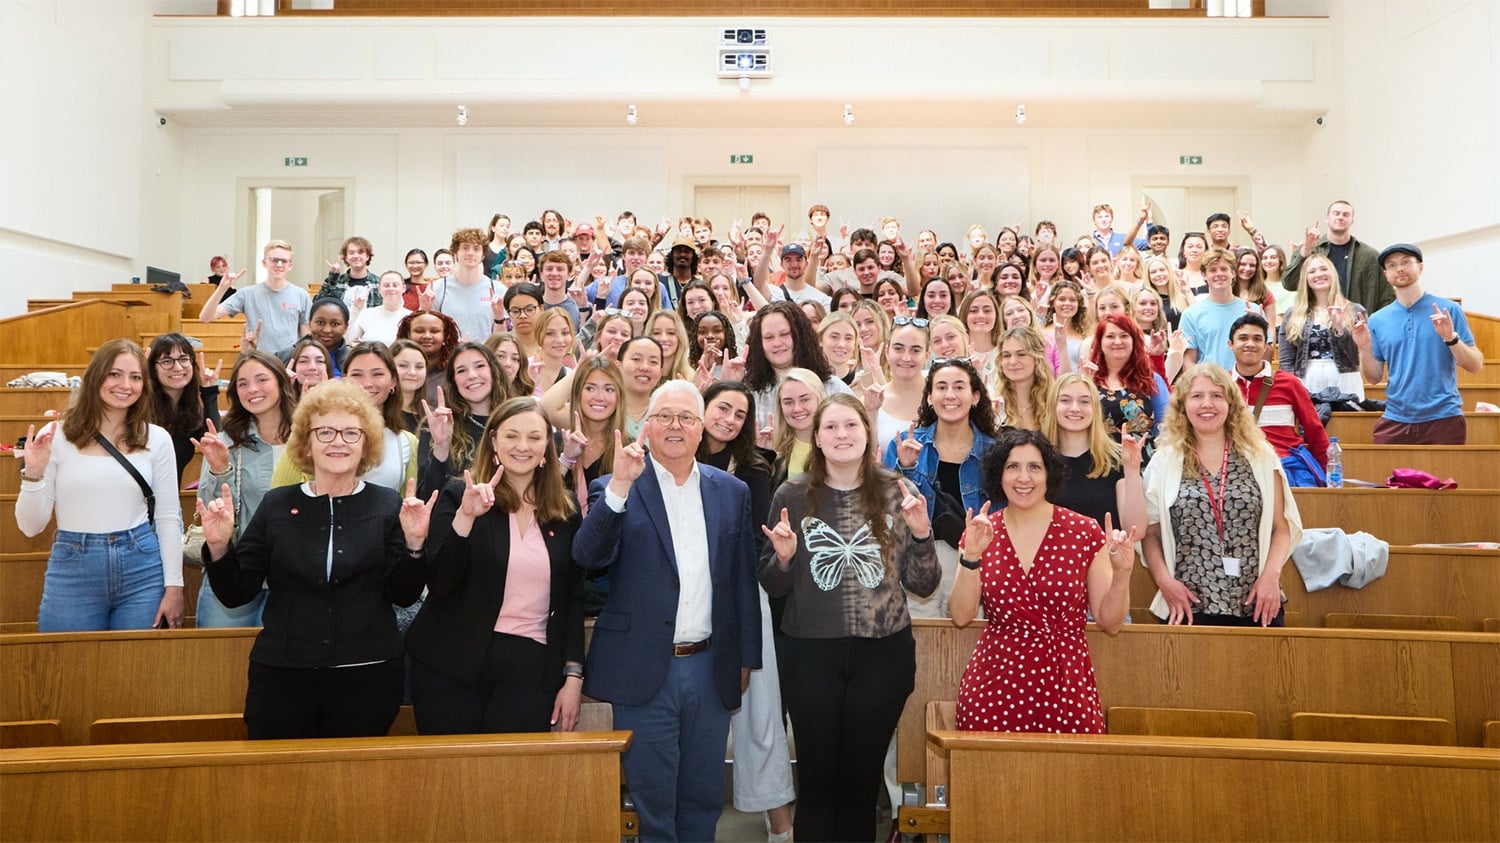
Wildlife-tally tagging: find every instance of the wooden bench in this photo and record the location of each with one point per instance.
(1181, 722)
(1471, 466)
(1405, 516)
(1489, 374)
(560, 786)
(1470, 392)
(1365, 728)
(1358, 428)
(1271, 673)
(16, 734)
(1419, 581)
(1119, 787)
(180, 728)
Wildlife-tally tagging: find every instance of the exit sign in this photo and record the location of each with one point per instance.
(742, 159)
(294, 162)
(1190, 159)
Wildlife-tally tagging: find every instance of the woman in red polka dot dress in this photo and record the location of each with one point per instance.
(1037, 569)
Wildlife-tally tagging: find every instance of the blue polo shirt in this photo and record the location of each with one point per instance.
(1422, 377)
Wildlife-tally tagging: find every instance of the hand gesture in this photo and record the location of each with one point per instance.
(479, 498)
(217, 518)
(206, 376)
(229, 280)
(534, 367)
(1156, 343)
(630, 461)
(734, 367)
(602, 291)
(903, 250)
(1310, 239)
(497, 309)
(439, 423)
(574, 442)
(1360, 331)
(1178, 343)
(250, 339)
(1180, 601)
(844, 229)
(908, 449)
(334, 267)
(735, 235)
(902, 308)
(869, 358)
(773, 241)
(1337, 320)
(426, 298)
(577, 294)
(416, 515)
(873, 398)
(1089, 368)
(1442, 323)
(1245, 222)
(913, 509)
(979, 531)
(1145, 209)
(600, 224)
(215, 453)
(567, 227)
(1120, 544)
(703, 376)
(783, 539)
(1131, 448)
(38, 449)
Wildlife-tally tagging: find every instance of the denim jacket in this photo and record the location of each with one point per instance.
(924, 473)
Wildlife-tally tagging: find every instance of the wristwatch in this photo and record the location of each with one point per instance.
(1452, 342)
(973, 566)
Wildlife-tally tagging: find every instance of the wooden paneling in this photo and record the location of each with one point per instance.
(502, 787)
(63, 334)
(1490, 374)
(1470, 393)
(180, 729)
(19, 734)
(1418, 581)
(1180, 722)
(1064, 787)
(1405, 516)
(1471, 466)
(1364, 728)
(1357, 428)
(1269, 672)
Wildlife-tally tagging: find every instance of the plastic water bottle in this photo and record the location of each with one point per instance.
(1335, 464)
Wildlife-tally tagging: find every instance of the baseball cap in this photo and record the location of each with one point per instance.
(793, 249)
(1399, 248)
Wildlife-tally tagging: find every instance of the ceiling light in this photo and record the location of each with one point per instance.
(1021, 115)
(463, 116)
(848, 114)
(630, 115)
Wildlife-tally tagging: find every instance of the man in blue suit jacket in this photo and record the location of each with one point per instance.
(680, 632)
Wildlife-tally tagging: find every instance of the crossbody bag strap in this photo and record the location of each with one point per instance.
(1265, 389)
(136, 475)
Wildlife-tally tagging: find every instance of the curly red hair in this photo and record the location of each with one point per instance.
(1137, 374)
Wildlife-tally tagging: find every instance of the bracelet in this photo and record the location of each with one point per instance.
(499, 321)
(570, 670)
(972, 565)
(923, 540)
(28, 478)
(1452, 342)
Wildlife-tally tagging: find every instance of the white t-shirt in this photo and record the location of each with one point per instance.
(376, 324)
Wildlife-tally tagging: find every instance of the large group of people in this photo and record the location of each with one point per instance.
(752, 459)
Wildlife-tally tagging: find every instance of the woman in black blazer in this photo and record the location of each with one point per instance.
(498, 645)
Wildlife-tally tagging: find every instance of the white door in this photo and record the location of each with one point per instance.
(723, 205)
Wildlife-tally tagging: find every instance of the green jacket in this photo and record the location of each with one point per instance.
(1367, 284)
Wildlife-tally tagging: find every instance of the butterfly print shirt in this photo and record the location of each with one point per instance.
(840, 584)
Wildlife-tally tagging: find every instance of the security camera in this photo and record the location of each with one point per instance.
(1320, 119)
(162, 121)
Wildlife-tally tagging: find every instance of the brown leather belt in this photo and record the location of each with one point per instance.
(692, 649)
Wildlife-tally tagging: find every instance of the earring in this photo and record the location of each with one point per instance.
(496, 458)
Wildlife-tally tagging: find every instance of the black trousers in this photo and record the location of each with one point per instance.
(845, 696)
(512, 695)
(327, 702)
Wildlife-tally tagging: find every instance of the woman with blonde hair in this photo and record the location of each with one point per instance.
(1071, 322)
(597, 403)
(1162, 279)
(980, 312)
(1026, 379)
(1127, 269)
(1104, 476)
(947, 337)
(666, 327)
(336, 552)
(1217, 562)
(1314, 341)
(1016, 312)
(796, 401)
(513, 363)
(838, 336)
(556, 344)
(116, 560)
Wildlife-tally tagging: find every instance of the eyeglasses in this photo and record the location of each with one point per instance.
(278, 261)
(901, 321)
(351, 435)
(175, 362)
(524, 312)
(683, 420)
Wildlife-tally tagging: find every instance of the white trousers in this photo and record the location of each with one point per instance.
(762, 764)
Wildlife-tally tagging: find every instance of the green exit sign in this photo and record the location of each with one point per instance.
(742, 159)
(294, 162)
(1190, 159)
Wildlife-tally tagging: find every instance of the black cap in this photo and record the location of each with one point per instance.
(793, 249)
(1400, 248)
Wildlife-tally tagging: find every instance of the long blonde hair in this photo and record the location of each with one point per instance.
(1104, 451)
(1041, 379)
(785, 437)
(1302, 305)
(1244, 434)
(1175, 296)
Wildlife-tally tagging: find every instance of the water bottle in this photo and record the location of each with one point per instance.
(1335, 464)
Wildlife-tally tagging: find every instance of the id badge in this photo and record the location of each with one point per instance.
(1231, 566)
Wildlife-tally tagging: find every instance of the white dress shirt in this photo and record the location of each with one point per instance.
(685, 519)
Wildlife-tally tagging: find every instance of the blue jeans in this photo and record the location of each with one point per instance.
(675, 764)
(98, 581)
(211, 613)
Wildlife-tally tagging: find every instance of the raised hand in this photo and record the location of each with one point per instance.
(908, 449)
(479, 498)
(252, 337)
(1245, 222)
(217, 518)
(215, 453)
(416, 515)
(630, 461)
(873, 398)
(206, 376)
(497, 309)
(1310, 239)
(913, 509)
(869, 358)
(39, 449)
(334, 267)
(574, 442)
(439, 425)
(979, 531)
(1131, 448)
(1120, 544)
(534, 367)
(1337, 320)
(1178, 343)
(357, 304)
(1360, 331)
(734, 367)
(1157, 343)
(783, 538)
(602, 291)
(230, 279)
(773, 240)
(1442, 323)
(765, 437)
(426, 298)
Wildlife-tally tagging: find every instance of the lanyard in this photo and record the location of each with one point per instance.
(1216, 502)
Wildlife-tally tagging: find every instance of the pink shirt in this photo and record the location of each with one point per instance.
(528, 585)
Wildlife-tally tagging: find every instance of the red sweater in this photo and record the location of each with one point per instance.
(1288, 418)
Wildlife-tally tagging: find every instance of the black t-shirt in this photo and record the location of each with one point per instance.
(1339, 255)
(1091, 496)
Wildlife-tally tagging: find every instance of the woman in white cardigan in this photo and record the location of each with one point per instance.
(1222, 518)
